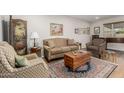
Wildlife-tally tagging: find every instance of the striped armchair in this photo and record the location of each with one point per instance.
(37, 68)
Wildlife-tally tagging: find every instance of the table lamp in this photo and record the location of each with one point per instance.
(34, 36)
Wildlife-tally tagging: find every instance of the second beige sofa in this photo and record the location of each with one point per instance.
(56, 47)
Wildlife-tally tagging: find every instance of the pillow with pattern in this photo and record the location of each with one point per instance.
(21, 61)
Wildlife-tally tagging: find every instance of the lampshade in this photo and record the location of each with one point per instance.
(34, 35)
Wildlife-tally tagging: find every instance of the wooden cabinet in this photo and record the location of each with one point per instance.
(18, 35)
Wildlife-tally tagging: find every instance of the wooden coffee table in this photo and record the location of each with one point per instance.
(74, 61)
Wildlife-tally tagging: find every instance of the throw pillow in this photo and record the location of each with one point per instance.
(51, 44)
(70, 41)
(21, 61)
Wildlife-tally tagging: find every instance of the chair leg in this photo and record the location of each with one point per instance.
(99, 56)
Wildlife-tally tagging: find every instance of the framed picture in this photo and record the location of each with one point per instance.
(56, 29)
(76, 31)
(80, 31)
(96, 30)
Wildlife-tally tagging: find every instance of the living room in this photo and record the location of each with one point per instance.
(62, 46)
(39, 38)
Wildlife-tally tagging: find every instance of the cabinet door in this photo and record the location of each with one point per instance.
(19, 36)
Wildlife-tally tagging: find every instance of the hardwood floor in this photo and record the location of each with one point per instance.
(119, 71)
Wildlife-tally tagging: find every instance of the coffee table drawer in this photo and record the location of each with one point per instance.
(68, 61)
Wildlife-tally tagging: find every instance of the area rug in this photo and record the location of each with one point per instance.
(98, 69)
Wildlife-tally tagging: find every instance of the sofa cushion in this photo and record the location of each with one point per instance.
(60, 42)
(70, 42)
(9, 53)
(56, 50)
(51, 44)
(73, 47)
(66, 49)
(93, 48)
(97, 42)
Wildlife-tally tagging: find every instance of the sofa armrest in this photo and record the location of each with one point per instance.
(31, 56)
(47, 52)
(76, 43)
(102, 45)
(47, 47)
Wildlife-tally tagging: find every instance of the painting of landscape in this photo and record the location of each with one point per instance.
(56, 29)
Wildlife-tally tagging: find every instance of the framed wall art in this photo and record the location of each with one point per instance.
(80, 31)
(56, 29)
(96, 30)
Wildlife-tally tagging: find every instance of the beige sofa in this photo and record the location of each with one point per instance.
(56, 47)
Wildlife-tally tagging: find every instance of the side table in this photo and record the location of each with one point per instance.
(36, 50)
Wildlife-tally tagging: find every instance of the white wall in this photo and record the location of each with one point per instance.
(117, 46)
(41, 24)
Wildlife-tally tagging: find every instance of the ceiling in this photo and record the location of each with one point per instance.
(92, 18)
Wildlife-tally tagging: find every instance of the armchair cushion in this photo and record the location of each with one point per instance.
(93, 48)
(38, 61)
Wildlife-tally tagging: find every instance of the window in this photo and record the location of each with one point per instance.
(115, 29)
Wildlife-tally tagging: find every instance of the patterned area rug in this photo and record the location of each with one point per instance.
(98, 69)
